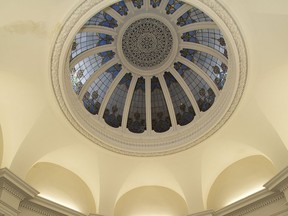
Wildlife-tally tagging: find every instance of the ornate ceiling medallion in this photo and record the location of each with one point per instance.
(146, 43)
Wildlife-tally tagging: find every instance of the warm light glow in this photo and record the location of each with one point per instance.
(244, 195)
(60, 202)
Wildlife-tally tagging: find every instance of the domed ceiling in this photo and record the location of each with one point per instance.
(149, 78)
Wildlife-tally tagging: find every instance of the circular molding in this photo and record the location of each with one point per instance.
(136, 145)
(165, 61)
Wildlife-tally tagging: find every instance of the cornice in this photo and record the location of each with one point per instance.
(16, 186)
(39, 209)
(251, 203)
(54, 207)
(279, 182)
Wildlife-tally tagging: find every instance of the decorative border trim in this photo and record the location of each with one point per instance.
(12, 189)
(221, 12)
(260, 204)
(39, 209)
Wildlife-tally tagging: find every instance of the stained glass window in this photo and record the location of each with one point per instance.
(137, 114)
(192, 16)
(103, 19)
(114, 110)
(190, 37)
(88, 40)
(121, 8)
(213, 67)
(173, 5)
(93, 98)
(182, 106)
(83, 70)
(201, 91)
(160, 116)
(137, 3)
(155, 3)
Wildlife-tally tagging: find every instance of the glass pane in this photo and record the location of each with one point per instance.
(103, 19)
(114, 109)
(173, 5)
(88, 40)
(192, 16)
(137, 3)
(182, 106)
(160, 116)
(83, 70)
(137, 114)
(201, 91)
(121, 8)
(155, 3)
(93, 98)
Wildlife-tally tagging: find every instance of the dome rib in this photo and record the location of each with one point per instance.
(110, 91)
(168, 101)
(186, 90)
(96, 74)
(98, 29)
(128, 102)
(200, 72)
(87, 53)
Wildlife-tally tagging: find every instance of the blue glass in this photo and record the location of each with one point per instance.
(121, 8)
(137, 3)
(188, 54)
(192, 16)
(114, 70)
(136, 122)
(104, 39)
(185, 19)
(106, 56)
(103, 19)
(184, 111)
(155, 3)
(201, 91)
(160, 116)
(173, 5)
(115, 106)
(190, 37)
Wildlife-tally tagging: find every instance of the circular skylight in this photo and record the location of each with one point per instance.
(149, 77)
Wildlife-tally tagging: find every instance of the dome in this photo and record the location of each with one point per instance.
(139, 72)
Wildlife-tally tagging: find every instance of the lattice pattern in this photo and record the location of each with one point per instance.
(212, 38)
(88, 40)
(213, 67)
(85, 68)
(103, 19)
(173, 5)
(192, 16)
(155, 3)
(114, 109)
(137, 114)
(201, 91)
(121, 8)
(182, 106)
(93, 98)
(160, 116)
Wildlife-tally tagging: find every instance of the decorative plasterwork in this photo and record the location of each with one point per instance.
(279, 182)
(39, 209)
(15, 186)
(146, 43)
(135, 145)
